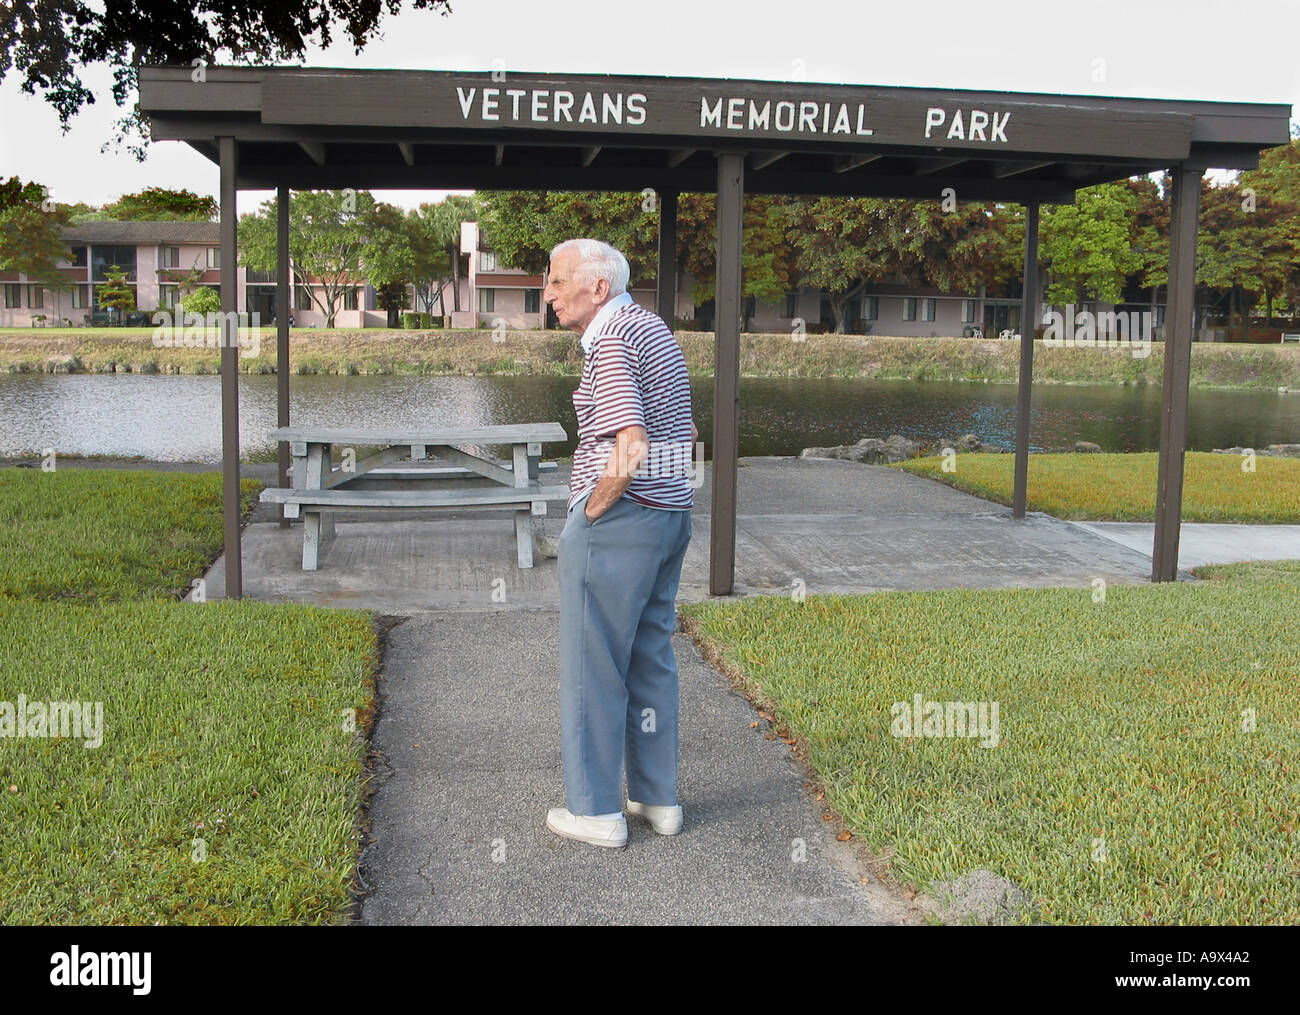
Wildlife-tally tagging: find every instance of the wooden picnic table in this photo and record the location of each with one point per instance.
(322, 486)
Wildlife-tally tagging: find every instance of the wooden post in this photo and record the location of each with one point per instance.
(666, 282)
(726, 377)
(230, 370)
(1184, 209)
(1024, 391)
(283, 306)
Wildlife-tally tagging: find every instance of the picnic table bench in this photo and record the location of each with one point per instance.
(322, 487)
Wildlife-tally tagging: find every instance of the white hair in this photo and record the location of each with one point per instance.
(597, 260)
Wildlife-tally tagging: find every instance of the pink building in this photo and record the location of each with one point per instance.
(159, 256)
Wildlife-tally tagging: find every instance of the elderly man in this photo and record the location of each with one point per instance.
(621, 552)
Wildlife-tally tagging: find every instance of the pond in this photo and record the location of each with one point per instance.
(178, 418)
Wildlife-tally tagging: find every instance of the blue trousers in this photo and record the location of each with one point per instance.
(618, 671)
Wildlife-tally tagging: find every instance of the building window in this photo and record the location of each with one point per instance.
(171, 257)
(350, 298)
(909, 309)
(78, 257)
(167, 296)
(487, 302)
(121, 257)
(487, 260)
(13, 296)
(35, 296)
(791, 305)
(532, 301)
(302, 298)
(927, 310)
(967, 311)
(870, 308)
(214, 257)
(80, 297)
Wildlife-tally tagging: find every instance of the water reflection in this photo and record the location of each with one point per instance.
(178, 418)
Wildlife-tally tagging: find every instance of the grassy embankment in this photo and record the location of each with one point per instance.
(226, 788)
(378, 351)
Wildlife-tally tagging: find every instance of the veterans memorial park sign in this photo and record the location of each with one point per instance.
(681, 108)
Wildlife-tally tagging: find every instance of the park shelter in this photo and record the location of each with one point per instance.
(288, 128)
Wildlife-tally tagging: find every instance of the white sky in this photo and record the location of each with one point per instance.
(1224, 50)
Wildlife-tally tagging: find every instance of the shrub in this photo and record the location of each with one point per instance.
(204, 300)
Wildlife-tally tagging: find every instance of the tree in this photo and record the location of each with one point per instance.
(329, 234)
(432, 263)
(114, 293)
(203, 300)
(393, 298)
(387, 260)
(1089, 245)
(523, 227)
(156, 204)
(447, 219)
(767, 260)
(31, 230)
(1268, 201)
(52, 42)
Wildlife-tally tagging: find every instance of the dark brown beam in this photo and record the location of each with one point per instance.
(1183, 213)
(397, 176)
(1024, 390)
(761, 160)
(929, 167)
(845, 163)
(499, 155)
(230, 370)
(1011, 169)
(315, 151)
(676, 158)
(408, 152)
(283, 304)
(589, 154)
(666, 279)
(726, 374)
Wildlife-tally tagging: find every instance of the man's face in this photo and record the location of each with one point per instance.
(574, 303)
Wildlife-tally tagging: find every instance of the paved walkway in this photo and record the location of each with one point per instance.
(469, 737)
(836, 526)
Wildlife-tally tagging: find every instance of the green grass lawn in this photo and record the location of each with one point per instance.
(106, 534)
(1122, 487)
(229, 779)
(1121, 736)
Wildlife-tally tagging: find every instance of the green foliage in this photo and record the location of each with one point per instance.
(1089, 246)
(54, 45)
(157, 204)
(204, 300)
(115, 294)
(1248, 245)
(31, 228)
(330, 237)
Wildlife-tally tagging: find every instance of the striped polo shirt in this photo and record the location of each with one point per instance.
(634, 374)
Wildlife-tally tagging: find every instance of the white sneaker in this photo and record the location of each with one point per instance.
(664, 820)
(609, 833)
